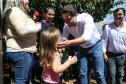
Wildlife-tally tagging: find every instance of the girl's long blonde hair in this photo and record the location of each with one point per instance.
(49, 40)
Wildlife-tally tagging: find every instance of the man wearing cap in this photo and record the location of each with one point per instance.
(82, 27)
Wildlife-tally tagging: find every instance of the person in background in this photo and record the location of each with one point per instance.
(35, 57)
(65, 74)
(105, 61)
(114, 46)
(124, 77)
(48, 16)
(74, 50)
(36, 16)
(82, 27)
(50, 58)
(103, 26)
(21, 37)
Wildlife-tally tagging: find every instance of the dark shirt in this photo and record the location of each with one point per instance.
(44, 27)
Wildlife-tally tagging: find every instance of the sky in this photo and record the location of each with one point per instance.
(110, 16)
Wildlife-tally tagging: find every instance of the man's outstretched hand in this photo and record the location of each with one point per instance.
(64, 43)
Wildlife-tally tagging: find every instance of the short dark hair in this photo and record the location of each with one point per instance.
(48, 8)
(118, 10)
(69, 8)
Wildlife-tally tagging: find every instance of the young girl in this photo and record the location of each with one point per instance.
(49, 57)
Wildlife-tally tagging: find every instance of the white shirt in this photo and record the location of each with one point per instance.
(84, 27)
(114, 40)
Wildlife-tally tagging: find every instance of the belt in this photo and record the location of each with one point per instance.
(115, 53)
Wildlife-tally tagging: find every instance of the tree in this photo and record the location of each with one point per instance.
(97, 8)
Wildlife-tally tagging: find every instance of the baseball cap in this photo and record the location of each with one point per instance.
(37, 13)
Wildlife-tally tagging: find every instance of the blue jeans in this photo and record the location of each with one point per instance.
(22, 62)
(124, 78)
(105, 72)
(96, 53)
(115, 67)
(35, 69)
(32, 69)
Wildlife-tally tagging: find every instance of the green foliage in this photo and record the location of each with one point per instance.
(97, 8)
